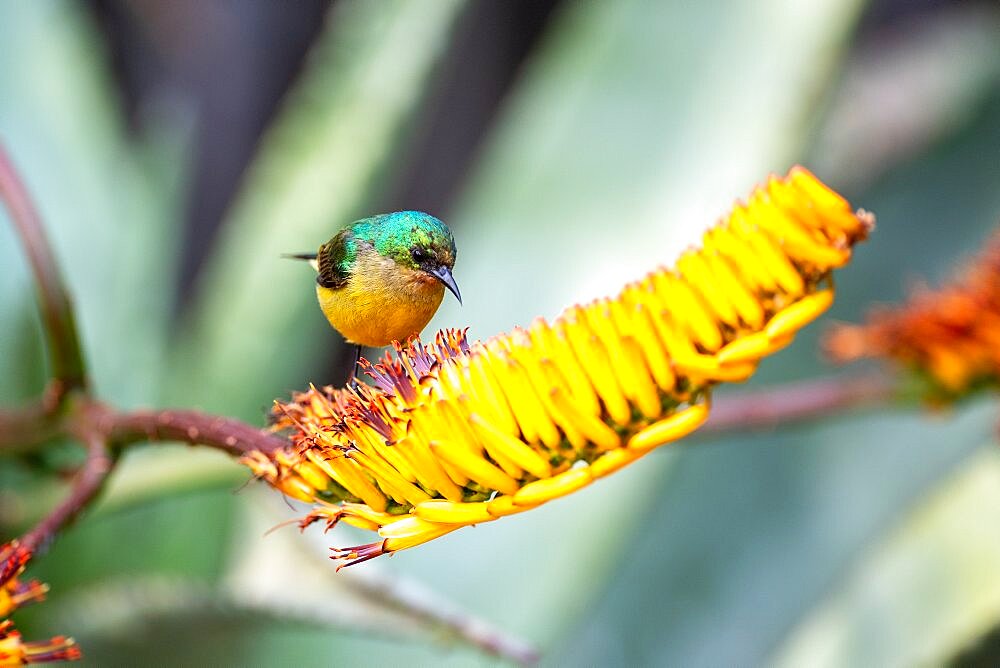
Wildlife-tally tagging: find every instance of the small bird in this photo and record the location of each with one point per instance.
(381, 279)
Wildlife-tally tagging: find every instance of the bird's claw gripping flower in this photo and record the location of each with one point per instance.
(15, 593)
(457, 433)
(951, 336)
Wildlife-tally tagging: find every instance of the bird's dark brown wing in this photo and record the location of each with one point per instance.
(332, 261)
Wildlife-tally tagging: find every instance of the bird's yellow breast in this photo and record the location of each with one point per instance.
(381, 301)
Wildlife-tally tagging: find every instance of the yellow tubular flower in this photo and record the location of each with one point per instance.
(14, 593)
(16, 652)
(458, 433)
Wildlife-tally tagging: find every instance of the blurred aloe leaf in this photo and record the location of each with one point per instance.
(145, 477)
(276, 581)
(924, 592)
(628, 135)
(752, 530)
(254, 330)
(912, 85)
(20, 335)
(105, 199)
(363, 601)
(118, 620)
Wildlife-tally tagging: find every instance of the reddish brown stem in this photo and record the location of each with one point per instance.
(86, 486)
(63, 344)
(24, 428)
(232, 436)
(798, 401)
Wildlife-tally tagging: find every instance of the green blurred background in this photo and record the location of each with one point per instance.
(177, 149)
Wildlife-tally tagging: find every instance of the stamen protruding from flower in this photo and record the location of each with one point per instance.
(16, 652)
(13, 594)
(455, 433)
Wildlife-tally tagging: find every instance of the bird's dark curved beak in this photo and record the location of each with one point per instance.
(443, 274)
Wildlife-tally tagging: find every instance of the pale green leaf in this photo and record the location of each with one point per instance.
(925, 591)
(255, 327)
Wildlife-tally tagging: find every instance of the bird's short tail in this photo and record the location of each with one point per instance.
(299, 256)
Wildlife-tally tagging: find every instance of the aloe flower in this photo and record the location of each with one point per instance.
(458, 433)
(16, 652)
(14, 593)
(949, 336)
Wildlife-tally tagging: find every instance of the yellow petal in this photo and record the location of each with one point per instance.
(644, 391)
(570, 431)
(497, 441)
(360, 523)
(670, 429)
(454, 513)
(558, 348)
(493, 402)
(297, 488)
(611, 461)
(475, 467)
(395, 485)
(735, 372)
(793, 318)
(415, 532)
(435, 477)
(752, 270)
(769, 252)
(596, 431)
(351, 477)
(693, 268)
(750, 347)
(742, 299)
(632, 376)
(562, 484)
(312, 474)
(594, 359)
(504, 505)
(816, 190)
(541, 383)
(687, 308)
(419, 433)
(366, 513)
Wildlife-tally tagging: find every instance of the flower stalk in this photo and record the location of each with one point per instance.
(803, 400)
(456, 433)
(66, 356)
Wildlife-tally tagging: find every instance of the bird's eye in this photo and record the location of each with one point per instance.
(418, 254)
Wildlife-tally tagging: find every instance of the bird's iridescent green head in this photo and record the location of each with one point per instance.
(413, 240)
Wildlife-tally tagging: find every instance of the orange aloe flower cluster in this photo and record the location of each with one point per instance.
(459, 433)
(13, 594)
(951, 335)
